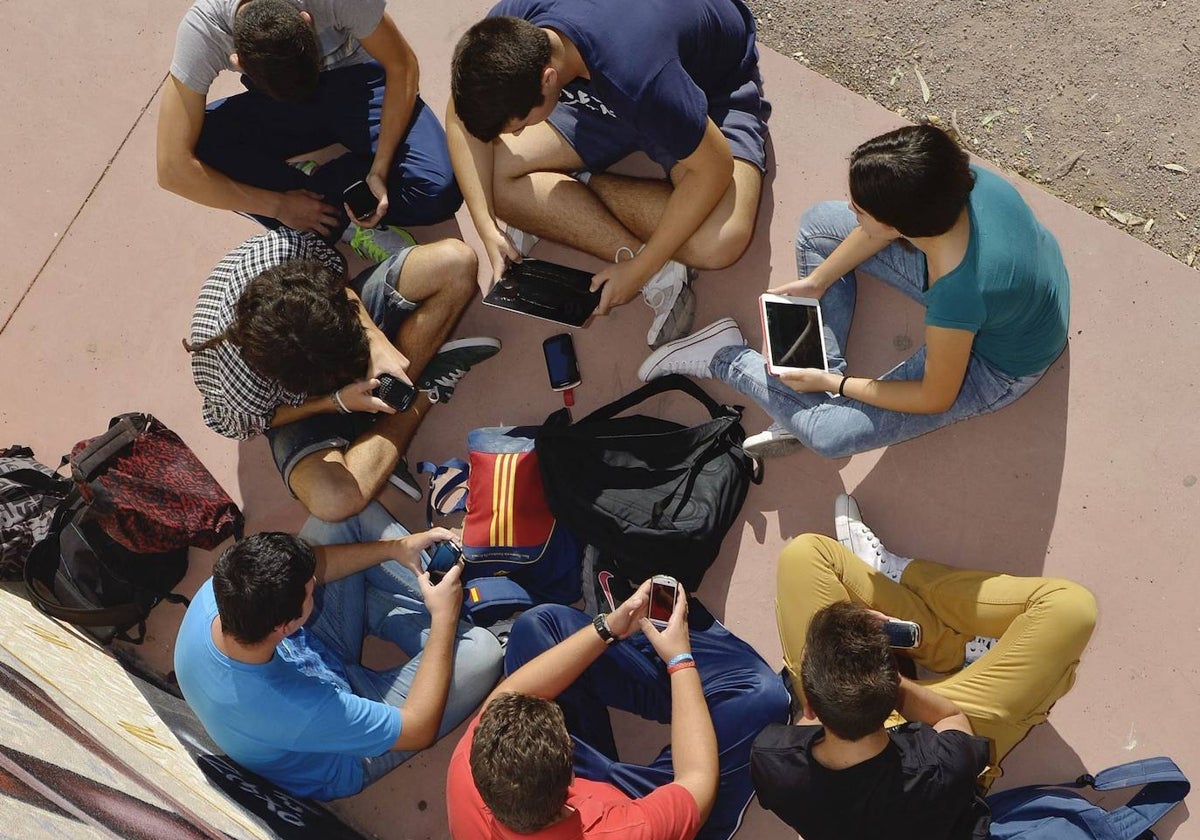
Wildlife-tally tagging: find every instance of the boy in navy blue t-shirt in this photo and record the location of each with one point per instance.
(542, 88)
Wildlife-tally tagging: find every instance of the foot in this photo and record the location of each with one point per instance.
(522, 240)
(772, 443)
(377, 244)
(604, 588)
(692, 354)
(976, 648)
(853, 533)
(669, 294)
(453, 359)
(402, 479)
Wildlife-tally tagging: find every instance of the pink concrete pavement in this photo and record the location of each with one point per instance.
(1091, 476)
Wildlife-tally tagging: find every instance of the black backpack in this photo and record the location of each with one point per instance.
(29, 493)
(656, 496)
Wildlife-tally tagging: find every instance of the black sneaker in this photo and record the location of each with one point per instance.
(604, 589)
(401, 478)
(453, 359)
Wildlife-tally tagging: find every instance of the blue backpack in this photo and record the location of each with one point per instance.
(1056, 812)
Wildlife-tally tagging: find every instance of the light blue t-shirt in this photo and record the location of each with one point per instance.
(292, 720)
(1011, 288)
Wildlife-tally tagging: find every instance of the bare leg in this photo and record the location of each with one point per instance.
(335, 484)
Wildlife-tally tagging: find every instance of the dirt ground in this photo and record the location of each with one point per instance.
(1098, 101)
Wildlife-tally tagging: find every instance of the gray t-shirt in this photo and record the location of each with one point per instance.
(205, 37)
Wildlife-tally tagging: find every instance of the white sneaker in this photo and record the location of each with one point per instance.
(668, 292)
(522, 240)
(772, 443)
(853, 533)
(692, 354)
(976, 648)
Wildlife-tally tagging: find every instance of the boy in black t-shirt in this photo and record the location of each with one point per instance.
(548, 94)
(878, 755)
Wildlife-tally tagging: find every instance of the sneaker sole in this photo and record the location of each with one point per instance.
(679, 320)
(845, 509)
(413, 492)
(666, 351)
(460, 343)
(772, 447)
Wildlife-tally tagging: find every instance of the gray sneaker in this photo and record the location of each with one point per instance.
(453, 360)
(773, 442)
(692, 354)
(522, 240)
(669, 293)
(402, 479)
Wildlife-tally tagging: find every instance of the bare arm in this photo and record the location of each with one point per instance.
(421, 714)
(947, 354)
(387, 46)
(335, 562)
(474, 166)
(919, 704)
(701, 180)
(855, 249)
(180, 119)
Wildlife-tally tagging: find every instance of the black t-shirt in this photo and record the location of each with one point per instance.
(921, 786)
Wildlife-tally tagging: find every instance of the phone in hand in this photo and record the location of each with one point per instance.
(561, 363)
(442, 558)
(361, 201)
(395, 392)
(902, 634)
(664, 589)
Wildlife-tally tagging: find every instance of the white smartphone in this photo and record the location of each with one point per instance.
(663, 591)
(794, 333)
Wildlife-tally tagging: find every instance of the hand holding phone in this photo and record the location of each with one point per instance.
(395, 392)
(360, 200)
(664, 589)
(902, 635)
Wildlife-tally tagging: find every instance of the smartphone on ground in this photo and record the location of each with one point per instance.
(561, 363)
(794, 333)
(664, 590)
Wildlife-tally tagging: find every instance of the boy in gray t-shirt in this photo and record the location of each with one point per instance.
(317, 72)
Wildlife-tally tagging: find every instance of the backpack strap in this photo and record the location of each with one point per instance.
(673, 382)
(447, 478)
(92, 458)
(1163, 787)
(39, 481)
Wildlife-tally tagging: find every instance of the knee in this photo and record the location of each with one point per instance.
(826, 222)
(767, 699)
(723, 250)
(331, 498)
(459, 267)
(535, 631)
(433, 198)
(797, 556)
(481, 659)
(1071, 609)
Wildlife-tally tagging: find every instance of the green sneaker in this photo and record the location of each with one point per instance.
(308, 167)
(453, 359)
(377, 244)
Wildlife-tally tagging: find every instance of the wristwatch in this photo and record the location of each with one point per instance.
(601, 625)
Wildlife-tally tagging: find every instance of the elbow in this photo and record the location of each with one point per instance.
(169, 175)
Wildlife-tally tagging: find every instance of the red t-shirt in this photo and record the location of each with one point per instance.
(600, 810)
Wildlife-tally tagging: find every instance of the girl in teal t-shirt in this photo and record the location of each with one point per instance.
(959, 240)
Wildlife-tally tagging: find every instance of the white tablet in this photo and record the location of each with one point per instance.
(794, 333)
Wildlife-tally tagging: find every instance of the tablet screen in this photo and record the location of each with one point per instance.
(793, 335)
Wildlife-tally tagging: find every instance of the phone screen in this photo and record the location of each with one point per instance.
(902, 634)
(561, 364)
(361, 200)
(793, 335)
(662, 601)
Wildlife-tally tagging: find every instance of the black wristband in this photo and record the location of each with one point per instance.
(601, 625)
(842, 386)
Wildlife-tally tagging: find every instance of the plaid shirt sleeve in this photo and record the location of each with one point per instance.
(238, 402)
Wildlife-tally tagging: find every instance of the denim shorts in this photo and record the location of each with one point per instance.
(601, 141)
(292, 442)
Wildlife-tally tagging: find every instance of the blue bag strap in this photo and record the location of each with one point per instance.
(1163, 787)
(439, 492)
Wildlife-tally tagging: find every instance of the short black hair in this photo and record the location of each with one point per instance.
(521, 761)
(916, 179)
(295, 325)
(848, 672)
(496, 74)
(260, 583)
(277, 48)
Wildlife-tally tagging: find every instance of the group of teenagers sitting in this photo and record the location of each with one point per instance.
(546, 96)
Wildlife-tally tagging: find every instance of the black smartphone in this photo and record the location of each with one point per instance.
(902, 634)
(561, 364)
(395, 392)
(442, 558)
(361, 201)
(663, 592)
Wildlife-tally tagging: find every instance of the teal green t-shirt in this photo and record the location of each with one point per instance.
(1011, 288)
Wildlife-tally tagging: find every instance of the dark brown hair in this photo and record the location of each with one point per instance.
(277, 48)
(496, 74)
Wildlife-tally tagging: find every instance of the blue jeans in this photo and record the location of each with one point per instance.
(836, 427)
(742, 691)
(292, 442)
(385, 601)
(250, 137)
